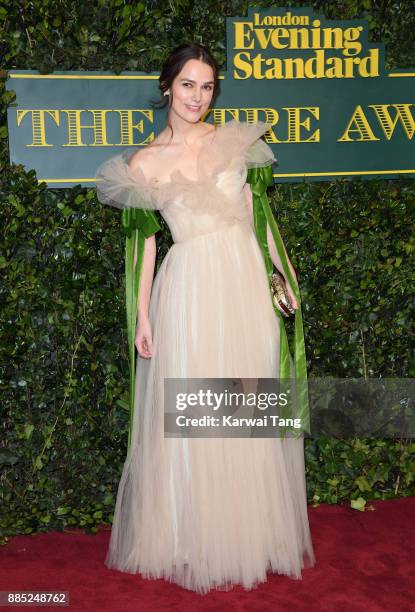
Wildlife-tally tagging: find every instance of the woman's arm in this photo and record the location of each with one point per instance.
(147, 274)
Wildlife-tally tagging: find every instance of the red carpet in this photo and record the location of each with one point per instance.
(364, 561)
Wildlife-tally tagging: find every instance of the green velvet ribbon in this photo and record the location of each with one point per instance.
(260, 179)
(138, 224)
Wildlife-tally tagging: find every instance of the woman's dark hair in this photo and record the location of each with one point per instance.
(174, 64)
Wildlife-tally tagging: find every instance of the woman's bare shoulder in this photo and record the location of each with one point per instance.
(144, 159)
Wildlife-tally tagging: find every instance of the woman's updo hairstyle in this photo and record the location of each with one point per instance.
(174, 64)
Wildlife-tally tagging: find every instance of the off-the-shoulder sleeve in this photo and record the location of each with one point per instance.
(257, 152)
(120, 186)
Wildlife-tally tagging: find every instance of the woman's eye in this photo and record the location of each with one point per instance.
(209, 87)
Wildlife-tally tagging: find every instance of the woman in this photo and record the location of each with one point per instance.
(203, 512)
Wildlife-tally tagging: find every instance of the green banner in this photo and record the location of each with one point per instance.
(334, 108)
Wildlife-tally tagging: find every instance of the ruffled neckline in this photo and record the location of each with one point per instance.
(177, 176)
(235, 147)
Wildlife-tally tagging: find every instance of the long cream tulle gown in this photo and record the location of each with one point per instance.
(207, 512)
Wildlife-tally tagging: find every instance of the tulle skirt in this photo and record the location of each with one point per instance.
(210, 513)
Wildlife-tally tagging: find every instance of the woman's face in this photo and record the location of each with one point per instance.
(192, 91)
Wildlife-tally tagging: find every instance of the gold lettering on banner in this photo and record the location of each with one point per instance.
(278, 33)
(38, 124)
(361, 125)
(299, 124)
(403, 115)
(127, 127)
(75, 127)
(295, 125)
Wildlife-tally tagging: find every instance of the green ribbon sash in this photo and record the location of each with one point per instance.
(138, 224)
(260, 179)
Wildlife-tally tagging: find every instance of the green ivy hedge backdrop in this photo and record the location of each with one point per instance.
(64, 360)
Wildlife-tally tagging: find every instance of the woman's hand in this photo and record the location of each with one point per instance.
(291, 296)
(144, 339)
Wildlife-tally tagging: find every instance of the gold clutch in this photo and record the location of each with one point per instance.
(280, 295)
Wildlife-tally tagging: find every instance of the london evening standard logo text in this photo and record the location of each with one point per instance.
(300, 47)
